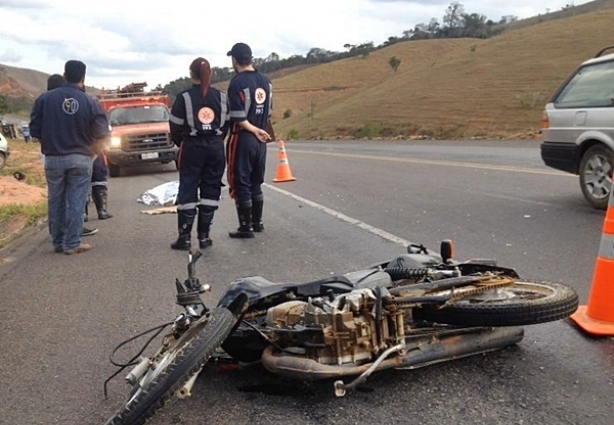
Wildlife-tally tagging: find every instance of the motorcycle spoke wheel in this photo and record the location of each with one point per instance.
(521, 303)
(175, 368)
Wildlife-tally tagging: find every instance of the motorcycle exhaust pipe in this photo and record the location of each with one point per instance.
(419, 352)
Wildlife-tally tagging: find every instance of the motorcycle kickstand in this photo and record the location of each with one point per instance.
(341, 388)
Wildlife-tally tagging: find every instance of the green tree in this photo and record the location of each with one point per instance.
(394, 63)
(453, 20)
(475, 25)
(4, 107)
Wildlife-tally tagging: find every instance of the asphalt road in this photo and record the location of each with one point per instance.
(354, 203)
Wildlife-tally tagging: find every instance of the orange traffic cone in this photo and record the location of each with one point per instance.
(598, 317)
(284, 174)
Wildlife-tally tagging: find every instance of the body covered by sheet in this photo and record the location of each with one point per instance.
(162, 195)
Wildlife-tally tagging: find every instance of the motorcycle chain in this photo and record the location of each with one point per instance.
(483, 287)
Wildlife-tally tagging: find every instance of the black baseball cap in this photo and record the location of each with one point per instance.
(240, 51)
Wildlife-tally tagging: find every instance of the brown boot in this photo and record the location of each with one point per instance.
(78, 250)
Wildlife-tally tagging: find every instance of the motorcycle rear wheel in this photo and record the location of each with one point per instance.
(522, 303)
(178, 365)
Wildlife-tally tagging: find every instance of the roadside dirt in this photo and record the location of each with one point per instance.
(29, 191)
(13, 191)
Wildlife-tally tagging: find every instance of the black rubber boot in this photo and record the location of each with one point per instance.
(257, 206)
(185, 220)
(205, 219)
(244, 211)
(99, 194)
(86, 214)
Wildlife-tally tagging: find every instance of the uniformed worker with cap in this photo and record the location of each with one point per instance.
(250, 97)
(198, 124)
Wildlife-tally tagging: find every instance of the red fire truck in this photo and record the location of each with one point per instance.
(140, 132)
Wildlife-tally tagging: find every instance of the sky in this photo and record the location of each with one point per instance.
(124, 41)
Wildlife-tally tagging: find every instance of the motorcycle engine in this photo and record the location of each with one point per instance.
(335, 332)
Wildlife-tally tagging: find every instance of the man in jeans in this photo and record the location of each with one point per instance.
(72, 128)
(56, 81)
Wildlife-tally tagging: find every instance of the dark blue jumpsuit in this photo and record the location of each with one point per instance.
(250, 94)
(198, 126)
(100, 175)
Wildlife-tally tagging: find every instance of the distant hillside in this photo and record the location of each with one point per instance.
(568, 12)
(21, 82)
(22, 86)
(445, 87)
(442, 87)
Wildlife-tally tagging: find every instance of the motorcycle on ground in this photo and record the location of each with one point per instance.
(415, 310)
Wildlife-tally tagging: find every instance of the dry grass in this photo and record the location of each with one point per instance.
(25, 158)
(22, 208)
(443, 88)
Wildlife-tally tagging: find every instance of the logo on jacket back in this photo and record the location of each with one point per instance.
(206, 116)
(260, 96)
(70, 106)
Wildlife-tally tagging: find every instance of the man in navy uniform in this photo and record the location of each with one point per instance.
(199, 123)
(250, 96)
(100, 176)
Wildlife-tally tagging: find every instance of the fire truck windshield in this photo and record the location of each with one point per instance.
(138, 115)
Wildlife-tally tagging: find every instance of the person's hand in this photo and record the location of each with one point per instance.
(262, 135)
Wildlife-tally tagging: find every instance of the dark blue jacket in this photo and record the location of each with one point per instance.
(197, 117)
(69, 121)
(250, 95)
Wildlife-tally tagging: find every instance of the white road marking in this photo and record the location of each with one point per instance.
(376, 231)
(441, 163)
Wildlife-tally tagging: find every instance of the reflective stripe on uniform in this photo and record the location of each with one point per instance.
(188, 206)
(99, 184)
(606, 248)
(224, 111)
(209, 202)
(237, 114)
(248, 100)
(270, 100)
(177, 120)
(189, 113)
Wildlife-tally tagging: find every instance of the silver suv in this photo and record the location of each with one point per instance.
(578, 128)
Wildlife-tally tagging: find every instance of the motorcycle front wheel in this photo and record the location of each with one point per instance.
(522, 303)
(177, 365)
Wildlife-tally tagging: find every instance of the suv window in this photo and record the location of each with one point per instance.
(591, 87)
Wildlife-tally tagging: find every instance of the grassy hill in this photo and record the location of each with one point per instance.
(17, 82)
(443, 88)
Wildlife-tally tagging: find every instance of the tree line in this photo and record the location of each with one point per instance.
(456, 23)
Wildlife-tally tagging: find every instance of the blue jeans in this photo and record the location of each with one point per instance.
(68, 184)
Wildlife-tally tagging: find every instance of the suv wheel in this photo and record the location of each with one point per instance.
(595, 172)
